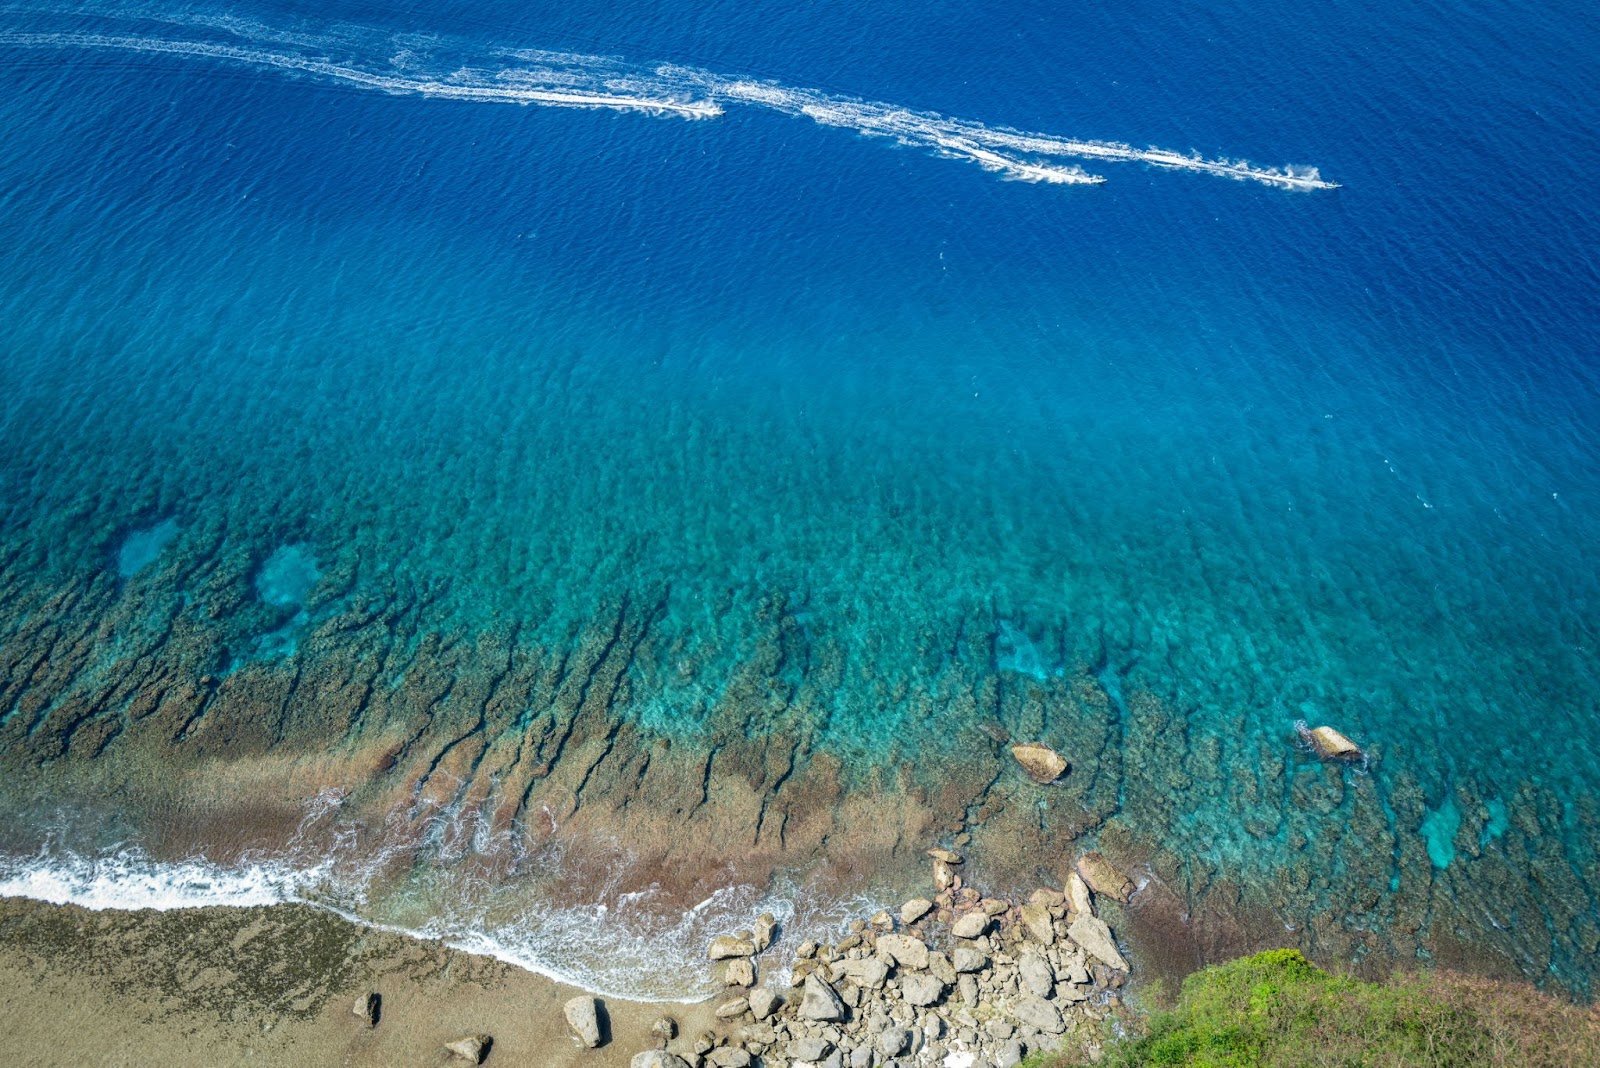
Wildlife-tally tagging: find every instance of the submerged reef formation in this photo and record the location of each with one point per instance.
(198, 703)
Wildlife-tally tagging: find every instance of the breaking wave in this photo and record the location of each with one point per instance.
(450, 69)
(444, 880)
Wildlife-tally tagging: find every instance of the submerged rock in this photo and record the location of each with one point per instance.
(583, 1020)
(471, 1048)
(1042, 764)
(1103, 878)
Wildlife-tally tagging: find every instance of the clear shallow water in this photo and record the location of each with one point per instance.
(1263, 454)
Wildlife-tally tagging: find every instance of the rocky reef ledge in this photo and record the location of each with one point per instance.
(959, 980)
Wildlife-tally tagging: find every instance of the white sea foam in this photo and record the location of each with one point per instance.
(442, 68)
(618, 945)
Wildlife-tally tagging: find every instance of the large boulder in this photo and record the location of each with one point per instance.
(724, 947)
(809, 1048)
(967, 959)
(369, 1007)
(1037, 922)
(766, 927)
(763, 1002)
(732, 1010)
(914, 910)
(1036, 972)
(1038, 1014)
(819, 1002)
(868, 972)
(904, 950)
(1078, 899)
(583, 1021)
(1103, 877)
(920, 988)
(470, 1048)
(1092, 934)
(740, 971)
(1041, 763)
(1329, 744)
(972, 925)
(657, 1058)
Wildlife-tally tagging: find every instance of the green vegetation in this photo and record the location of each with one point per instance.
(1277, 1010)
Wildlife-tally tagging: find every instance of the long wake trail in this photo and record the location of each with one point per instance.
(442, 68)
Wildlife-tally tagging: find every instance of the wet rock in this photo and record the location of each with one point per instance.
(766, 926)
(763, 1002)
(806, 950)
(470, 1048)
(369, 1007)
(1038, 1014)
(732, 1010)
(914, 910)
(881, 921)
(1037, 922)
(809, 1048)
(1078, 899)
(1092, 934)
(919, 988)
(972, 925)
(1036, 973)
(657, 1058)
(725, 947)
(944, 855)
(1103, 878)
(741, 971)
(819, 1001)
(967, 959)
(868, 972)
(583, 1020)
(904, 950)
(1041, 763)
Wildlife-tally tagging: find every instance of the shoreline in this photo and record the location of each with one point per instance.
(276, 983)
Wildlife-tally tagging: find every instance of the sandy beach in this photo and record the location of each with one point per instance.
(275, 986)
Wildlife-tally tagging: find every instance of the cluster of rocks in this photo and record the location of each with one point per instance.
(958, 980)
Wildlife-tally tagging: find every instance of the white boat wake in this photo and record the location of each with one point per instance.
(448, 69)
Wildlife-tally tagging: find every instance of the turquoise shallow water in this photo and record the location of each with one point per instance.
(279, 347)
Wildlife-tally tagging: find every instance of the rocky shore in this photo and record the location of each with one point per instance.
(958, 980)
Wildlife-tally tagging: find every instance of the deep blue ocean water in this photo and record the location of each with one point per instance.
(1272, 453)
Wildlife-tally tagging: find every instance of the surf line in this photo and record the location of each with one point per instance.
(567, 80)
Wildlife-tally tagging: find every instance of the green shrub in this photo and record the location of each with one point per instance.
(1277, 1010)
